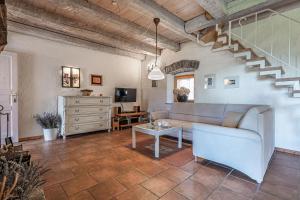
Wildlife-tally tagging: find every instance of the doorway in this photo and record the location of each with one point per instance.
(8, 95)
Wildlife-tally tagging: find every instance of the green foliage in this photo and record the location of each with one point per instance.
(48, 120)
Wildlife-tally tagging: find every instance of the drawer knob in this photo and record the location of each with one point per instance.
(77, 101)
(77, 110)
(77, 128)
(77, 119)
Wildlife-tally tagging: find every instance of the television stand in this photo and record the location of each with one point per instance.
(129, 119)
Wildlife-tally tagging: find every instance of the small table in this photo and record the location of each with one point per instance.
(156, 131)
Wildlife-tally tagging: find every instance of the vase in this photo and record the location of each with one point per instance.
(50, 134)
(182, 98)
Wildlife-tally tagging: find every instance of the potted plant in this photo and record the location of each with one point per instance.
(181, 94)
(50, 123)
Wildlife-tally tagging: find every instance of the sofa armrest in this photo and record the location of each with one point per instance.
(221, 130)
(266, 128)
(159, 115)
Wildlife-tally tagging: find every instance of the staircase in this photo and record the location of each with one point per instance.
(258, 59)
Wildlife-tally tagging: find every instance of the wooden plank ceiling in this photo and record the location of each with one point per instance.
(121, 26)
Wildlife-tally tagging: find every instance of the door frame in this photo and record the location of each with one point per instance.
(14, 121)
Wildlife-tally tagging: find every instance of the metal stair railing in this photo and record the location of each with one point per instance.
(264, 32)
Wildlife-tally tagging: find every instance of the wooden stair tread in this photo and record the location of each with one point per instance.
(273, 68)
(218, 45)
(288, 79)
(296, 91)
(223, 34)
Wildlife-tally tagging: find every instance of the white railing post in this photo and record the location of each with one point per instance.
(289, 42)
(229, 34)
(272, 33)
(256, 27)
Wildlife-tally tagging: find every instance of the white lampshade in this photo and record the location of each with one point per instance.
(156, 74)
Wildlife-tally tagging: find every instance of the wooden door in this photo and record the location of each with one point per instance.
(8, 94)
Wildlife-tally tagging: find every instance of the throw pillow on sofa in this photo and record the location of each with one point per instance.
(232, 119)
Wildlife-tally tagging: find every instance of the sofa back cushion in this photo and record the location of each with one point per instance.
(241, 108)
(250, 119)
(198, 112)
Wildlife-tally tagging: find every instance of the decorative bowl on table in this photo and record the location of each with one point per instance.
(86, 92)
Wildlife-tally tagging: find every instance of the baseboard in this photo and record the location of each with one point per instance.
(287, 151)
(30, 138)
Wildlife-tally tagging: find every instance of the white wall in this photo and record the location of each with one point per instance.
(39, 78)
(251, 90)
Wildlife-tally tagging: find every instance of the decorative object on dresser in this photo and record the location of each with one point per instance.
(181, 95)
(50, 123)
(84, 114)
(96, 80)
(70, 77)
(86, 92)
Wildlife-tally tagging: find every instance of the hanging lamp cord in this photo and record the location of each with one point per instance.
(156, 45)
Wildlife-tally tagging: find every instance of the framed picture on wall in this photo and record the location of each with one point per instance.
(96, 79)
(154, 83)
(232, 82)
(210, 81)
(70, 77)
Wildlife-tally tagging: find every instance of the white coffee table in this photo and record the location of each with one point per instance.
(156, 132)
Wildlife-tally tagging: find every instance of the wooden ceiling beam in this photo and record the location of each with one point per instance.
(200, 23)
(167, 19)
(66, 39)
(3, 25)
(19, 11)
(214, 7)
(90, 12)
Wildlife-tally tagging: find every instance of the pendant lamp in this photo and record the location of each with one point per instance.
(156, 74)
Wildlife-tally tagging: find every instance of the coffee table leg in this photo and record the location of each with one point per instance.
(133, 138)
(180, 139)
(156, 146)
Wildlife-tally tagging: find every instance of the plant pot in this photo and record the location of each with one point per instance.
(182, 98)
(50, 134)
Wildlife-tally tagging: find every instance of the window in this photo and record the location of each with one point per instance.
(186, 81)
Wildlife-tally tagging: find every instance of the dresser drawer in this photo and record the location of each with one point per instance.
(81, 128)
(73, 119)
(86, 110)
(78, 101)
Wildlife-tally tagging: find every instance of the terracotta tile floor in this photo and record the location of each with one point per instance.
(100, 166)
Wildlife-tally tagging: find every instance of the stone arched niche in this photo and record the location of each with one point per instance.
(181, 67)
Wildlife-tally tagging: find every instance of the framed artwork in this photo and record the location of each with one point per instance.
(154, 83)
(232, 82)
(70, 77)
(210, 81)
(96, 79)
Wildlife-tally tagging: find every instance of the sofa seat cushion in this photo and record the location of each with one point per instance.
(185, 125)
(230, 132)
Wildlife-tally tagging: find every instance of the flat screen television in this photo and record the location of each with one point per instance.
(125, 95)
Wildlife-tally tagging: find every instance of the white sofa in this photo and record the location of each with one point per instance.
(247, 147)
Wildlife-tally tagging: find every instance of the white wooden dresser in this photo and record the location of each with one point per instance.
(84, 114)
